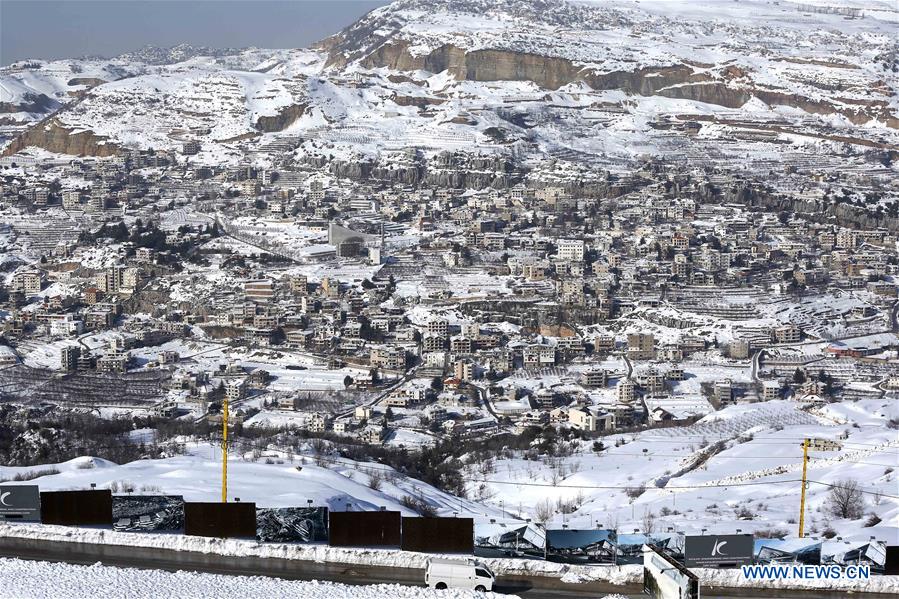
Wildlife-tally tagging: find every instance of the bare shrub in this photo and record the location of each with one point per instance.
(33, 474)
(419, 505)
(635, 492)
(375, 480)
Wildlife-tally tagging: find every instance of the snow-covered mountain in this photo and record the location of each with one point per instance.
(575, 81)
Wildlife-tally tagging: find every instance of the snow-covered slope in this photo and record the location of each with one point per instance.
(721, 53)
(736, 468)
(272, 481)
(580, 82)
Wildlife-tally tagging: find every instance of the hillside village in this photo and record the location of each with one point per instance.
(598, 265)
(401, 315)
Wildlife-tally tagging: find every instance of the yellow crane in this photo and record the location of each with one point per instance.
(225, 451)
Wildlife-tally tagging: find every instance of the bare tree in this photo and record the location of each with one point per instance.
(846, 500)
(649, 521)
(543, 511)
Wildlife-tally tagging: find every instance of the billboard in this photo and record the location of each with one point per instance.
(438, 535)
(20, 503)
(891, 567)
(77, 508)
(148, 513)
(292, 524)
(518, 539)
(788, 551)
(224, 520)
(850, 553)
(598, 546)
(364, 529)
(717, 551)
(630, 547)
(665, 578)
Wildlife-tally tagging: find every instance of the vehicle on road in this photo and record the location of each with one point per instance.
(458, 574)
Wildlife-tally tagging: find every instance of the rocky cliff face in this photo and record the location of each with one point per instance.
(281, 121)
(39, 103)
(553, 43)
(845, 215)
(679, 81)
(54, 137)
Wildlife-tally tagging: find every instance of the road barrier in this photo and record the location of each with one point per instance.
(388, 529)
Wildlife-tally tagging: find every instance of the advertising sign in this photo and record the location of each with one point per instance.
(77, 508)
(630, 547)
(855, 553)
(438, 535)
(20, 502)
(716, 551)
(222, 520)
(365, 529)
(582, 546)
(292, 524)
(664, 578)
(526, 540)
(148, 513)
(788, 551)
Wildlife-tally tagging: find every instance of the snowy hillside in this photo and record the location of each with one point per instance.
(578, 82)
(737, 468)
(276, 480)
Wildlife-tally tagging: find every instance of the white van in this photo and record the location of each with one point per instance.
(458, 574)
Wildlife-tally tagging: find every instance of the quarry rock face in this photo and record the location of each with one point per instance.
(54, 137)
(281, 121)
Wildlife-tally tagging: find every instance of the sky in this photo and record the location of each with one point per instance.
(50, 29)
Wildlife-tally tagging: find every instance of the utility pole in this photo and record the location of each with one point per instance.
(805, 444)
(815, 445)
(225, 450)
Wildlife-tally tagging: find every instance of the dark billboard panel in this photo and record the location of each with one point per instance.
(292, 524)
(438, 535)
(518, 539)
(717, 551)
(599, 546)
(223, 520)
(21, 503)
(630, 547)
(891, 567)
(365, 529)
(788, 551)
(148, 513)
(852, 553)
(77, 508)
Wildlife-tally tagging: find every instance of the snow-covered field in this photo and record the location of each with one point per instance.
(38, 580)
(674, 478)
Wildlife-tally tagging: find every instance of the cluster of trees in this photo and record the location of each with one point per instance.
(31, 436)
